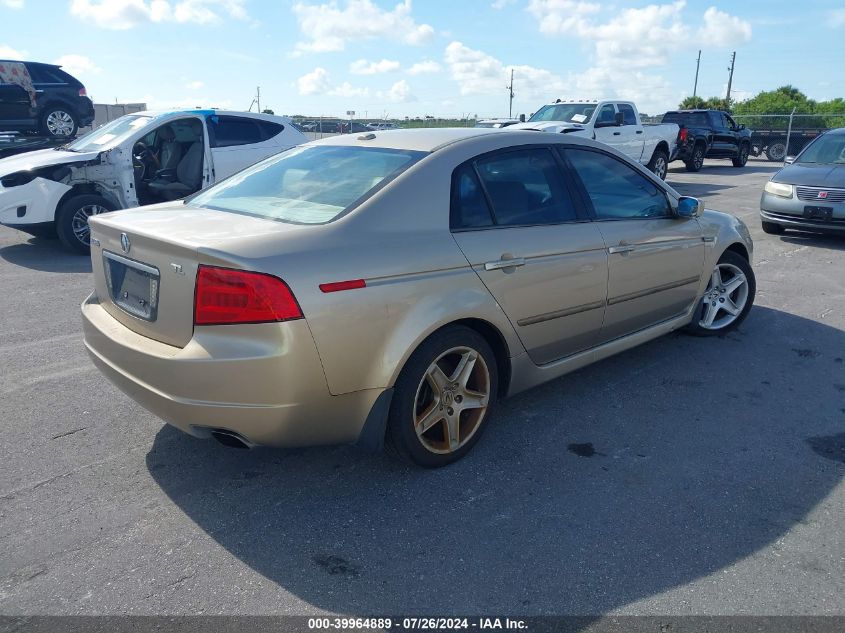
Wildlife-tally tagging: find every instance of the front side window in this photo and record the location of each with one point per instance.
(308, 184)
(617, 190)
(606, 115)
(525, 187)
(629, 117)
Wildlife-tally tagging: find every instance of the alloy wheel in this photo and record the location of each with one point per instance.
(79, 222)
(60, 123)
(452, 400)
(698, 158)
(725, 297)
(660, 168)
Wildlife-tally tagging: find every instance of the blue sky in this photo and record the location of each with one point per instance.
(415, 57)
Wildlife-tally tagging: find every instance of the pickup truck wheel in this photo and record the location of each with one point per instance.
(776, 151)
(72, 220)
(740, 160)
(659, 164)
(773, 229)
(696, 161)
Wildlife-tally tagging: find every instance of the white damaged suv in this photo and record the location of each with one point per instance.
(141, 158)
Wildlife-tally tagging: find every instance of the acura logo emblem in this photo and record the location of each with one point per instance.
(125, 244)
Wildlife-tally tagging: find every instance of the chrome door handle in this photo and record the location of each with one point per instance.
(39, 92)
(622, 248)
(505, 263)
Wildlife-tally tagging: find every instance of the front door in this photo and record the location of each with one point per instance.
(655, 259)
(514, 219)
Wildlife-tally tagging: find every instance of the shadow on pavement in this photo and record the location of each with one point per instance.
(47, 255)
(816, 240)
(702, 452)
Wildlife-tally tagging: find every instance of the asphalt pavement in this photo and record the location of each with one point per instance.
(686, 476)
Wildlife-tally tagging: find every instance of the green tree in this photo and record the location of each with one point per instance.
(779, 101)
(698, 103)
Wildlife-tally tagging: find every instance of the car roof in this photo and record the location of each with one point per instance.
(433, 139)
(208, 112)
(23, 61)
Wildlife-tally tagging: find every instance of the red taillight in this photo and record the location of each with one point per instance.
(682, 135)
(224, 296)
(337, 286)
(83, 92)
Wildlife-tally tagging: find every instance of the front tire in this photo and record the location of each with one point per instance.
(59, 122)
(728, 297)
(772, 228)
(659, 164)
(72, 220)
(443, 398)
(740, 160)
(696, 161)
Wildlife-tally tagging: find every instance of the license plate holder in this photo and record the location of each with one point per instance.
(133, 286)
(818, 213)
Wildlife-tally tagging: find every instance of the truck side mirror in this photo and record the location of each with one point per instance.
(522, 118)
(618, 118)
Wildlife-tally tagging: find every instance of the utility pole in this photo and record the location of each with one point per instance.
(730, 81)
(697, 65)
(510, 91)
(258, 97)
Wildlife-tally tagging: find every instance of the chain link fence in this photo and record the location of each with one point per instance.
(776, 136)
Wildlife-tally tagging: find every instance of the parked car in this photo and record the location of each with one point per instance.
(809, 193)
(43, 98)
(138, 159)
(383, 125)
(292, 305)
(709, 134)
(497, 123)
(615, 123)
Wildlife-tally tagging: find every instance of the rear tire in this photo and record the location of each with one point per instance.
(776, 151)
(740, 160)
(432, 419)
(659, 164)
(59, 122)
(728, 297)
(772, 228)
(72, 220)
(696, 161)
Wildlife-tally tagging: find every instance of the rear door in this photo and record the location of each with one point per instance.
(633, 135)
(722, 135)
(545, 263)
(237, 142)
(655, 260)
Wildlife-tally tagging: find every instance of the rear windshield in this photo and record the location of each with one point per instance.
(308, 185)
(689, 119)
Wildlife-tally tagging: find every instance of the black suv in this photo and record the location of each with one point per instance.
(61, 103)
(709, 134)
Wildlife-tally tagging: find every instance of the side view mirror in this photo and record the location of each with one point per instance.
(741, 126)
(689, 207)
(789, 160)
(618, 118)
(522, 118)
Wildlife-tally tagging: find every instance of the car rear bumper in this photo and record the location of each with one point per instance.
(263, 382)
(789, 212)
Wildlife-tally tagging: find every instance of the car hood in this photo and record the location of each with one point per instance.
(812, 175)
(42, 158)
(547, 126)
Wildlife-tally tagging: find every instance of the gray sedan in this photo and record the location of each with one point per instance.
(809, 193)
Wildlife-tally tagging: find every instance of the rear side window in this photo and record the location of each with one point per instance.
(270, 128)
(629, 117)
(524, 187)
(46, 74)
(616, 190)
(230, 130)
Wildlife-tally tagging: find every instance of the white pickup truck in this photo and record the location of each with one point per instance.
(616, 123)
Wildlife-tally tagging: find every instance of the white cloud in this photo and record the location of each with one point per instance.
(194, 85)
(126, 14)
(477, 72)
(313, 83)
(836, 18)
(328, 28)
(425, 66)
(722, 29)
(348, 90)
(501, 4)
(13, 4)
(363, 67)
(557, 17)
(77, 64)
(400, 92)
(7, 52)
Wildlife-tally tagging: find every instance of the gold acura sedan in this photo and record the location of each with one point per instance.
(390, 287)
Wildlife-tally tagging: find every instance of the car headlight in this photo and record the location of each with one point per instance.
(778, 189)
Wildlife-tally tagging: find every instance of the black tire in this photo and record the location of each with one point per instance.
(402, 438)
(696, 161)
(68, 220)
(740, 160)
(58, 121)
(772, 228)
(776, 150)
(728, 257)
(659, 164)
